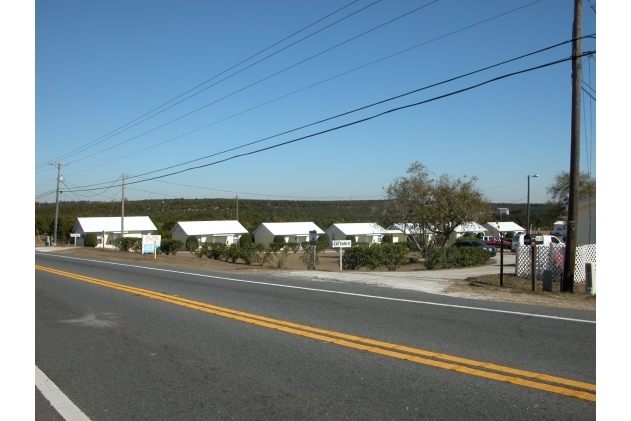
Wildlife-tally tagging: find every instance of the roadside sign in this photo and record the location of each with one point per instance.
(150, 243)
(75, 235)
(313, 238)
(341, 243)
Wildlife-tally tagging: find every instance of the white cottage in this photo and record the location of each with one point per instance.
(496, 227)
(363, 232)
(293, 232)
(469, 228)
(226, 232)
(560, 229)
(402, 231)
(107, 229)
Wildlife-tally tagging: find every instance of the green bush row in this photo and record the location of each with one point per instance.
(128, 243)
(388, 255)
(168, 246)
(455, 257)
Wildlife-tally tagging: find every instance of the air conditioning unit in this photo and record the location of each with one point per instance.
(590, 278)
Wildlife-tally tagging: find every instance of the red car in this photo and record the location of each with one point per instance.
(497, 242)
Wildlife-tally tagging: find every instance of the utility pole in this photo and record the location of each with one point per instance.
(237, 207)
(567, 283)
(57, 196)
(123, 209)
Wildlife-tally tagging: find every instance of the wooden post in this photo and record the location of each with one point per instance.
(567, 282)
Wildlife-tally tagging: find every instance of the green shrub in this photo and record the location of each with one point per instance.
(248, 253)
(128, 243)
(192, 243)
(276, 246)
(324, 238)
(294, 247)
(509, 235)
(232, 253)
(216, 250)
(281, 257)
(352, 238)
(356, 257)
(393, 255)
(279, 239)
(90, 240)
(387, 238)
(246, 240)
(168, 246)
(203, 250)
(455, 257)
(307, 257)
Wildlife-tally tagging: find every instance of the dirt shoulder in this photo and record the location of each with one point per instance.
(519, 290)
(485, 287)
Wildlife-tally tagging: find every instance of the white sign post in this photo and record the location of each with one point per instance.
(341, 244)
(75, 236)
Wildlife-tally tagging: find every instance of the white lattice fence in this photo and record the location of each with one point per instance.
(552, 257)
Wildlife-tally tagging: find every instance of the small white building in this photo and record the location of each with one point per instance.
(496, 227)
(402, 231)
(586, 225)
(560, 229)
(293, 232)
(469, 228)
(226, 232)
(363, 232)
(107, 229)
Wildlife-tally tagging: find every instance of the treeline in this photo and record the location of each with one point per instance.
(254, 212)
(251, 212)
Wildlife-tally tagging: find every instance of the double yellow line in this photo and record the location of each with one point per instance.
(562, 386)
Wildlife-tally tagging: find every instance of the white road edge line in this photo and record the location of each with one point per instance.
(543, 316)
(57, 398)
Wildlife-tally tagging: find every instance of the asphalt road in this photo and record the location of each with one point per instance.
(123, 355)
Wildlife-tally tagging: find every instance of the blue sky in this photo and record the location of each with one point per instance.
(101, 65)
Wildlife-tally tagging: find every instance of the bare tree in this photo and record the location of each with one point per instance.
(428, 210)
(559, 190)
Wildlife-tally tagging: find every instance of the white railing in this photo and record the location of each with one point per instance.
(552, 258)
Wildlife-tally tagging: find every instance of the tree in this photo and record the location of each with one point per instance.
(192, 243)
(429, 209)
(559, 190)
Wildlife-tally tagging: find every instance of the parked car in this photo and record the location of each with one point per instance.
(493, 240)
(476, 243)
(523, 239)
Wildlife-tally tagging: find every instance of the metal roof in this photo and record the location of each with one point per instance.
(470, 227)
(505, 226)
(360, 228)
(210, 227)
(289, 228)
(113, 224)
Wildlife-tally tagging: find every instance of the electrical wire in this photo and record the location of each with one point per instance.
(507, 184)
(262, 194)
(459, 91)
(257, 82)
(212, 78)
(354, 110)
(329, 79)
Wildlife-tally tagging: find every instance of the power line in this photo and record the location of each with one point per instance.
(265, 195)
(357, 109)
(507, 184)
(217, 75)
(329, 79)
(361, 120)
(259, 81)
